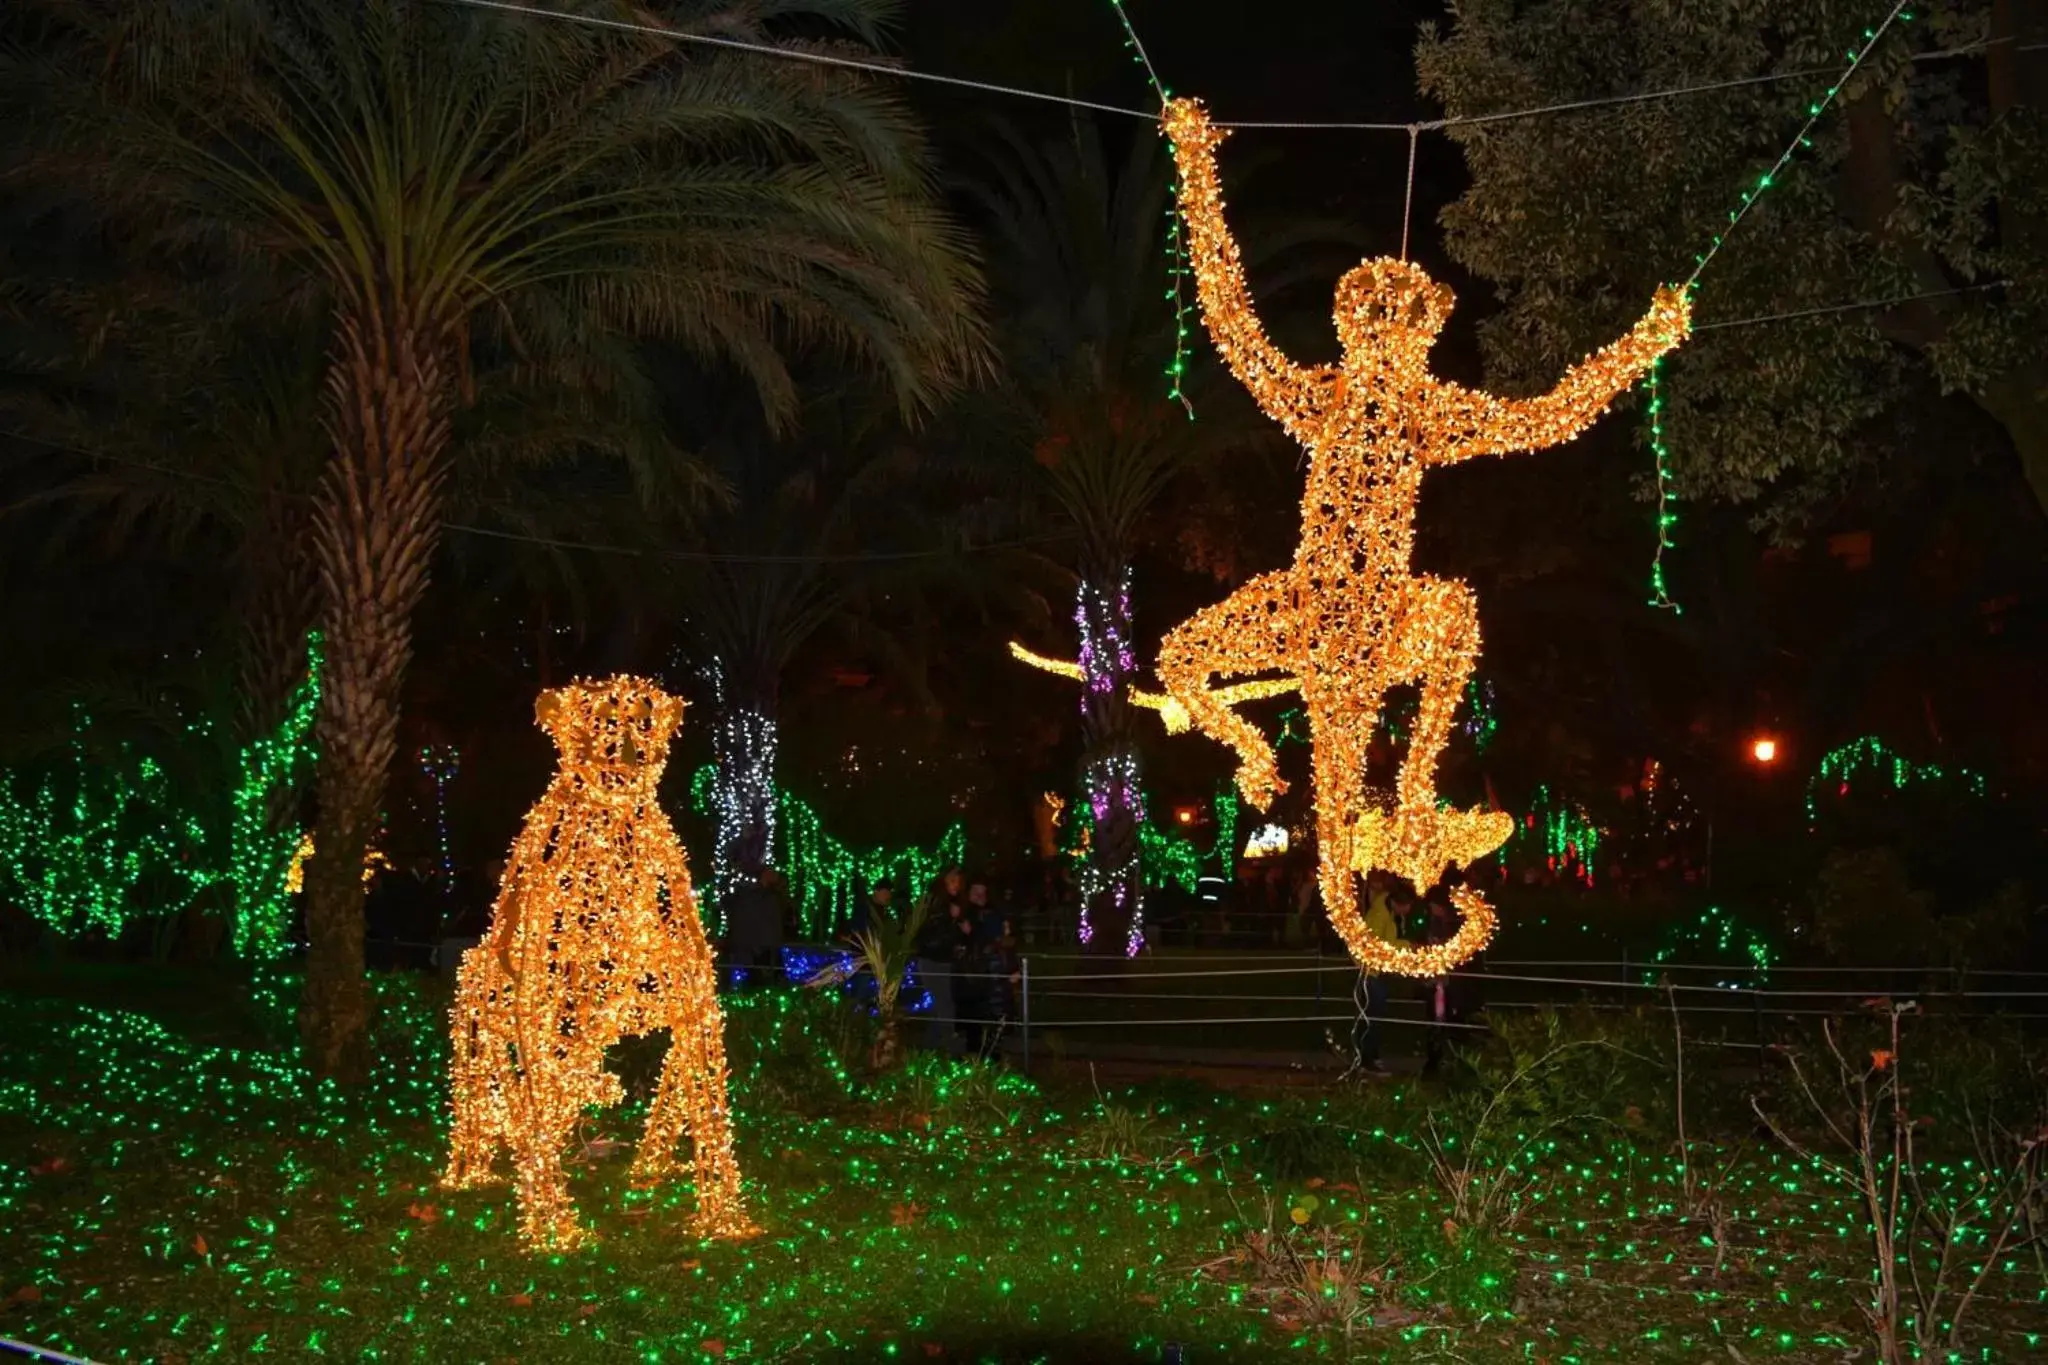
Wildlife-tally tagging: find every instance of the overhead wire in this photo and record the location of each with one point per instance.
(883, 68)
(1860, 305)
(1412, 129)
(796, 54)
(1813, 116)
(550, 542)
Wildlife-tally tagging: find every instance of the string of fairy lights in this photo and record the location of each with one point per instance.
(1868, 758)
(1110, 787)
(104, 840)
(268, 853)
(828, 876)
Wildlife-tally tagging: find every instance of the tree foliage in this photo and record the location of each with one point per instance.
(1925, 178)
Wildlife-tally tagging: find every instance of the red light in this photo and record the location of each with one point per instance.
(1764, 750)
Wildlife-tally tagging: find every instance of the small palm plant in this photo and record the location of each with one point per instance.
(883, 950)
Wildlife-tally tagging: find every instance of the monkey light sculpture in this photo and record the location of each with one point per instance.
(594, 938)
(1348, 618)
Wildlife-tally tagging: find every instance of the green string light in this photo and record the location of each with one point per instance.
(260, 850)
(1871, 756)
(1177, 264)
(1177, 270)
(1717, 938)
(100, 842)
(1560, 832)
(1168, 858)
(1659, 596)
(105, 840)
(825, 875)
(1224, 850)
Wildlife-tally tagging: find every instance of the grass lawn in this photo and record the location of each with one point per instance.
(173, 1188)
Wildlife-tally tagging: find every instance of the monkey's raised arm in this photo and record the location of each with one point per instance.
(1283, 390)
(1479, 424)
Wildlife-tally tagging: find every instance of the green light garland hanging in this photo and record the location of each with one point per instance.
(1177, 265)
(1560, 832)
(260, 850)
(1717, 938)
(1871, 757)
(827, 877)
(1224, 850)
(1654, 384)
(1660, 595)
(100, 842)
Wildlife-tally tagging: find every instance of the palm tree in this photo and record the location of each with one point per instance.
(157, 423)
(768, 585)
(884, 950)
(429, 178)
(1078, 264)
(810, 526)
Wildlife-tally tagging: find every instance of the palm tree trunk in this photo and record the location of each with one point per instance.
(743, 781)
(281, 602)
(374, 531)
(282, 607)
(1112, 878)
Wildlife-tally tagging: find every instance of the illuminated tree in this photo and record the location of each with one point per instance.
(264, 838)
(100, 840)
(1079, 263)
(1934, 177)
(804, 525)
(432, 179)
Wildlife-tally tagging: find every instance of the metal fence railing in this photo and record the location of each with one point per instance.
(1199, 1003)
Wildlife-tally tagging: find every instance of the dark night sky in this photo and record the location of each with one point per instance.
(1323, 60)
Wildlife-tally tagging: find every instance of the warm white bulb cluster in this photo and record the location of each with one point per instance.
(594, 938)
(742, 792)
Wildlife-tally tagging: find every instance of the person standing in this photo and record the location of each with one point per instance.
(1005, 963)
(1443, 996)
(1370, 995)
(942, 941)
(976, 976)
(753, 927)
(880, 906)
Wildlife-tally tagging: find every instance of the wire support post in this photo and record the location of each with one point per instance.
(1024, 1009)
(1408, 198)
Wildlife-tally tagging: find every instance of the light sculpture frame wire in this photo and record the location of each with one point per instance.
(594, 937)
(1349, 619)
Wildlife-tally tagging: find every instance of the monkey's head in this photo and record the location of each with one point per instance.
(1389, 311)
